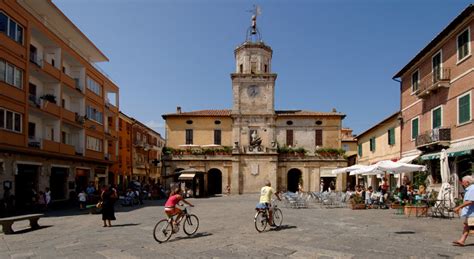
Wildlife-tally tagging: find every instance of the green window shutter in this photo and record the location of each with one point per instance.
(360, 150)
(436, 118)
(391, 136)
(414, 128)
(464, 105)
(372, 144)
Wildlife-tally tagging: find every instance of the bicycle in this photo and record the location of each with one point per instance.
(165, 228)
(261, 218)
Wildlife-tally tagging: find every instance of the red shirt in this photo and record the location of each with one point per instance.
(173, 200)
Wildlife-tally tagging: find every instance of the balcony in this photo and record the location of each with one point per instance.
(35, 59)
(67, 149)
(51, 70)
(50, 146)
(34, 143)
(80, 119)
(433, 139)
(433, 82)
(69, 81)
(68, 115)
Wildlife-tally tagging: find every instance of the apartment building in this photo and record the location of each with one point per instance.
(140, 149)
(58, 111)
(436, 99)
(378, 143)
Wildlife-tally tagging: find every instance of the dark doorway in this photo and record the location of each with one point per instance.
(26, 185)
(82, 179)
(328, 182)
(294, 178)
(214, 182)
(58, 183)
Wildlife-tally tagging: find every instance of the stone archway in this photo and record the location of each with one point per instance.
(293, 179)
(214, 182)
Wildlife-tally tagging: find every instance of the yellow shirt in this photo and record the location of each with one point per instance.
(266, 194)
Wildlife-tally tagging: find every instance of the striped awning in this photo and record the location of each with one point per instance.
(452, 152)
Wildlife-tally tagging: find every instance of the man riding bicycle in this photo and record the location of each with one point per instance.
(265, 200)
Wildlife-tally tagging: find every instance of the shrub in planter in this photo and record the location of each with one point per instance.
(49, 97)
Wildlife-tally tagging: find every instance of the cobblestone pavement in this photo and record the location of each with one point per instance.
(227, 230)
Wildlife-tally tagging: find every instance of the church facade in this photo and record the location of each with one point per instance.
(238, 149)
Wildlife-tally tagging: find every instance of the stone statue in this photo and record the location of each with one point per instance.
(256, 140)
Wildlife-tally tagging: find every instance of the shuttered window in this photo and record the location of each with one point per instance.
(372, 144)
(359, 150)
(436, 118)
(414, 128)
(217, 137)
(189, 137)
(289, 138)
(318, 137)
(391, 136)
(463, 44)
(464, 109)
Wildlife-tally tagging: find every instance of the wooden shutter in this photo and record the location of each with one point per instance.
(318, 137)
(217, 137)
(464, 108)
(189, 137)
(289, 137)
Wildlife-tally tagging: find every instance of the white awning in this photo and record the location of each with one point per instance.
(186, 176)
(408, 159)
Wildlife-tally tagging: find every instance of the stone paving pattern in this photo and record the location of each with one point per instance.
(227, 231)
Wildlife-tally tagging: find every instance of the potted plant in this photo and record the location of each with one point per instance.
(49, 97)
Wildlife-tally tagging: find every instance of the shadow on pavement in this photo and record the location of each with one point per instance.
(197, 235)
(26, 230)
(125, 225)
(282, 227)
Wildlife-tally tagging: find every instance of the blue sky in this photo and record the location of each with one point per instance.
(327, 53)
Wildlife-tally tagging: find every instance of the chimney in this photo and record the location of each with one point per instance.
(334, 110)
(178, 109)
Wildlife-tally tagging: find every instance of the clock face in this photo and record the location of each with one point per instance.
(253, 90)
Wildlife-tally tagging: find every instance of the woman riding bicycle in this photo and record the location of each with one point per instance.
(265, 199)
(170, 205)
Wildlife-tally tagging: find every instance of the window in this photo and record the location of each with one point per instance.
(11, 74)
(464, 108)
(94, 86)
(31, 130)
(253, 67)
(391, 136)
(94, 144)
(345, 147)
(463, 44)
(372, 144)
(414, 128)
(289, 138)
(436, 116)
(11, 28)
(64, 137)
(217, 137)
(415, 81)
(318, 137)
(359, 150)
(95, 115)
(189, 137)
(241, 70)
(10, 120)
(436, 66)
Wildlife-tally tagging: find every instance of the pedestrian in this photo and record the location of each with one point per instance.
(47, 197)
(108, 197)
(466, 209)
(82, 196)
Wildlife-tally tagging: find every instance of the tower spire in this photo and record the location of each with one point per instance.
(253, 34)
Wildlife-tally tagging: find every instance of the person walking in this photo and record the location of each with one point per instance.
(108, 197)
(466, 209)
(47, 197)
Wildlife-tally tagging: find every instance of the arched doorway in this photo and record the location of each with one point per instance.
(214, 182)
(294, 177)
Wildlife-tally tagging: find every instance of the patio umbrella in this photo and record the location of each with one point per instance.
(397, 167)
(370, 169)
(189, 170)
(446, 192)
(347, 169)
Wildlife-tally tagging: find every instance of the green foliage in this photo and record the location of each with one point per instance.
(330, 151)
(357, 200)
(290, 150)
(419, 178)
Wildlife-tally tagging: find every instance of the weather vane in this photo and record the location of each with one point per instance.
(253, 31)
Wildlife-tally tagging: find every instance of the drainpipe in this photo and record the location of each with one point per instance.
(400, 117)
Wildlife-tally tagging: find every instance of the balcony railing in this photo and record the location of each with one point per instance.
(33, 99)
(80, 119)
(36, 60)
(439, 136)
(34, 142)
(433, 81)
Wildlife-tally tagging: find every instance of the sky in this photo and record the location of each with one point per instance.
(328, 54)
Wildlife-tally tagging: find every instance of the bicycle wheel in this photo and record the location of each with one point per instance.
(277, 217)
(260, 221)
(162, 231)
(190, 224)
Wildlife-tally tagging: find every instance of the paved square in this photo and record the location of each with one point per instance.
(227, 230)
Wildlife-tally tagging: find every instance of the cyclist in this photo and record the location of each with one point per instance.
(265, 200)
(170, 205)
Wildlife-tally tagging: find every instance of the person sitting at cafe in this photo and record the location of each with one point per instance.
(368, 196)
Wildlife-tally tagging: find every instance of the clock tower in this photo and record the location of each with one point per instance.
(253, 112)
